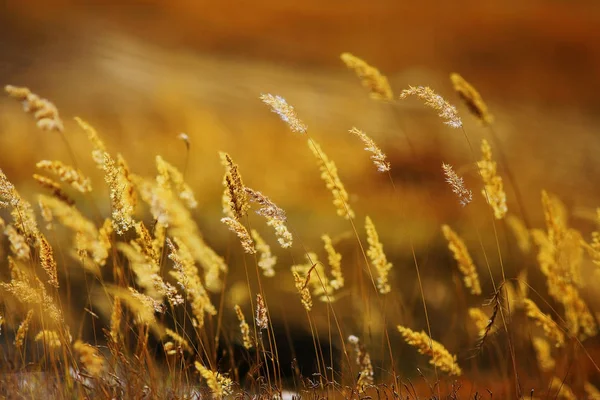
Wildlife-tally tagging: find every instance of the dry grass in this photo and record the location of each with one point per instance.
(122, 294)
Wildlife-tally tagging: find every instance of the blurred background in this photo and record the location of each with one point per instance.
(141, 72)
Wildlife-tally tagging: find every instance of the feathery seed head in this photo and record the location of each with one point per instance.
(285, 111)
(457, 184)
(377, 155)
(433, 100)
(242, 234)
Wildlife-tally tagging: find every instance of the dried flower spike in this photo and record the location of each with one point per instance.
(369, 76)
(463, 258)
(377, 156)
(285, 111)
(446, 111)
(472, 99)
(457, 184)
(377, 257)
(45, 113)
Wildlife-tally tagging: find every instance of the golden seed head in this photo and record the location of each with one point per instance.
(457, 184)
(219, 385)
(369, 76)
(66, 174)
(332, 181)
(440, 357)
(44, 112)
(363, 361)
(377, 155)
(48, 262)
(378, 257)
(274, 215)
(465, 263)
(244, 328)
(187, 276)
(543, 353)
(551, 329)
(302, 287)
(285, 111)
(235, 189)
(472, 99)
(335, 263)
(262, 318)
(242, 234)
(90, 357)
(267, 260)
(50, 338)
(493, 191)
(22, 330)
(433, 100)
(169, 177)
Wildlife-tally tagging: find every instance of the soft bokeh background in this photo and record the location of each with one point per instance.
(141, 72)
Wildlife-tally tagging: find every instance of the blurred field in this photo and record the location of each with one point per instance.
(143, 72)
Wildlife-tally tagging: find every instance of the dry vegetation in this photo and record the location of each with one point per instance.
(138, 302)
